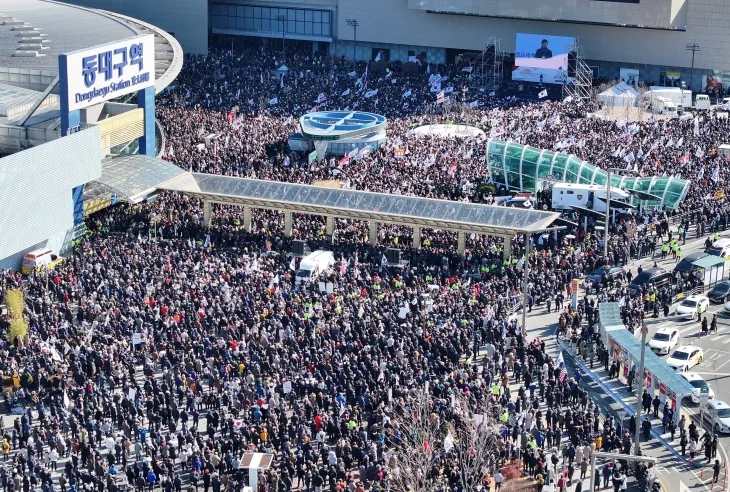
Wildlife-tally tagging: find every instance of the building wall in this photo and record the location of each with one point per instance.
(187, 20)
(653, 13)
(393, 22)
(35, 192)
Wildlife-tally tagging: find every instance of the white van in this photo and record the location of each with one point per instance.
(314, 264)
(702, 102)
(720, 248)
(38, 259)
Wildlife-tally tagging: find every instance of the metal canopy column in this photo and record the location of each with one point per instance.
(287, 224)
(373, 233)
(417, 237)
(507, 247)
(247, 219)
(462, 243)
(330, 229)
(207, 214)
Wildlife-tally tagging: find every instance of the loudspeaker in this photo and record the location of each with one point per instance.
(392, 255)
(297, 247)
(490, 50)
(572, 63)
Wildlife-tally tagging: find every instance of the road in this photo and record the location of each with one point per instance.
(674, 472)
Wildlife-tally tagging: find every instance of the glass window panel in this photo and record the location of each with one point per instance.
(248, 11)
(248, 23)
(615, 180)
(300, 27)
(220, 21)
(308, 15)
(241, 11)
(307, 28)
(326, 29)
(291, 14)
(300, 15)
(586, 173)
(240, 22)
(514, 155)
(266, 25)
(257, 12)
(544, 162)
(256, 24)
(229, 10)
(571, 176)
(496, 171)
(528, 183)
(513, 180)
(600, 177)
(559, 166)
(317, 28)
(215, 9)
(529, 170)
(291, 26)
(641, 184)
(274, 12)
(317, 16)
(265, 13)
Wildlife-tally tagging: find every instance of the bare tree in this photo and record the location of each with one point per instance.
(443, 433)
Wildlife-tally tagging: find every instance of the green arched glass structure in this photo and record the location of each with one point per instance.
(521, 167)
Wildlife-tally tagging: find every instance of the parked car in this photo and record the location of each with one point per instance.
(690, 306)
(663, 340)
(717, 414)
(685, 358)
(656, 276)
(612, 273)
(720, 292)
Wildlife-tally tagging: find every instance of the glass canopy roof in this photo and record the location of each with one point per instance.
(520, 167)
(134, 177)
(351, 204)
(612, 325)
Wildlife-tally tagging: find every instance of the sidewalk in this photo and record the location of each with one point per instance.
(618, 389)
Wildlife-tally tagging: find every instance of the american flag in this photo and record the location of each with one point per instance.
(561, 366)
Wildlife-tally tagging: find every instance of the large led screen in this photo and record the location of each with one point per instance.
(541, 58)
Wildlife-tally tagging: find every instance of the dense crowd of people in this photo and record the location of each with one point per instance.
(161, 350)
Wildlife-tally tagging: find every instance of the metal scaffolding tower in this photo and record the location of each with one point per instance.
(487, 71)
(580, 85)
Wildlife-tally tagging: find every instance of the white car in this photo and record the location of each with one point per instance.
(697, 383)
(685, 358)
(726, 307)
(688, 307)
(663, 341)
(717, 414)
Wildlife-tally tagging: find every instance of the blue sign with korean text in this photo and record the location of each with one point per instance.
(109, 71)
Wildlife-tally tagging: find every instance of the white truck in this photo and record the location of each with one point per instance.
(566, 195)
(314, 264)
(682, 98)
(702, 102)
(663, 105)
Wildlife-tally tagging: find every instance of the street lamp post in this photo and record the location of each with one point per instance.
(693, 47)
(282, 18)
(608, 208)
(354, 23)
(640, 378)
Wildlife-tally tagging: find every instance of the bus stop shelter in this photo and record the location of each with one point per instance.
(713, 268)
(625, 348)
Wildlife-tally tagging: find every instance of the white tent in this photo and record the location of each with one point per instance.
(620, 94)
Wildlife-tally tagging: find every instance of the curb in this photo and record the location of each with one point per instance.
(664, 487)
